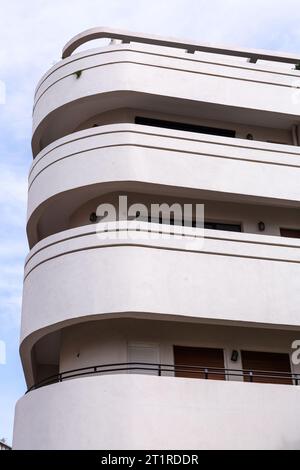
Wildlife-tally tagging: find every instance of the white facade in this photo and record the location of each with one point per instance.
(93, 300)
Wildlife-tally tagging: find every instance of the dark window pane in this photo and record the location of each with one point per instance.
(220, 226)
(181, 126)
(291, 233)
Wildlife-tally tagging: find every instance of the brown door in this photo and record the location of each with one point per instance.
(273, 368)
(287, 232)
(192, 362)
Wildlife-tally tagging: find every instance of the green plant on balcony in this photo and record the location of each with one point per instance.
(297, 66)
(79, 72)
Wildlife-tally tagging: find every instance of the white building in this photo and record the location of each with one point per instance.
(166, 342)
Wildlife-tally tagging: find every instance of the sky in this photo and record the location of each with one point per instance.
(32, 34)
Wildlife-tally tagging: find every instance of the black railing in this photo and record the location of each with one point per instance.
(174, 371)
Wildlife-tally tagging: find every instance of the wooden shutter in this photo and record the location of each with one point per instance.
(275, 367)
(200, 359)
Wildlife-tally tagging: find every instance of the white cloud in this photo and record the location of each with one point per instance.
(13, 186)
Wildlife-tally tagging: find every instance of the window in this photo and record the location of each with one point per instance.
(160, 220)
(267, 367)
(192, 362)
(277, 142)
(221, 226)
(207, 225)
(291, 233)
(181, 126)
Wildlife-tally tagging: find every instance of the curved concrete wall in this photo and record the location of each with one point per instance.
(116, 73)
(123, 412)
(120, 154)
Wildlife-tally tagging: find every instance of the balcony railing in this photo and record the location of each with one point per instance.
(187, 371)
(252, 55)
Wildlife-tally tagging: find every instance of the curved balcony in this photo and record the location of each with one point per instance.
(81, 414)
(157, 78)
(80, 275)
(131, 157)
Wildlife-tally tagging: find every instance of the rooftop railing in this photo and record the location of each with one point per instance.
(253, 55)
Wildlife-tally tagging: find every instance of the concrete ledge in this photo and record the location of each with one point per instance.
(145, 412)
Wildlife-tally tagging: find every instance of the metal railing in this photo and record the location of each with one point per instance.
(253, 55)
(173, 371)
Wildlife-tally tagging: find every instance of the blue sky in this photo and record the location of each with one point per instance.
(32, 34)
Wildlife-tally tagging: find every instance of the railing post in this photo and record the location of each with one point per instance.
(206, 373)
(251, 376)
(60, 378)
(159, 370)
